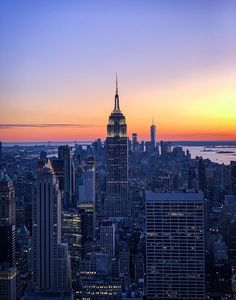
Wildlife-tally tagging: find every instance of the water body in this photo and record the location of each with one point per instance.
(46, 144)
(219, 152)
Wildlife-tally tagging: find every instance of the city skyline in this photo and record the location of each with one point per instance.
(59, 61)
(117, 150)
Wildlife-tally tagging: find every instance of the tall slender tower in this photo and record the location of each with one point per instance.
(116, 202)
(153, 134)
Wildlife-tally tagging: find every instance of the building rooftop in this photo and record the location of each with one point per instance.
(173, 196)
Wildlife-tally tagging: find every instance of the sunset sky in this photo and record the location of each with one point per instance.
(175, 59)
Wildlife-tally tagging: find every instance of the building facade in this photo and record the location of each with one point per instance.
(7, 238)
(64, 154)
(107, 238)
(51, 260)
(117, 202)
(87, 186)
(175, 263)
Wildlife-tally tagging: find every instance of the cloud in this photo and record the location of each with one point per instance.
(55, 125)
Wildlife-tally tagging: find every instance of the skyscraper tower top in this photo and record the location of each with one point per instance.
(116, 123)
(153, 134)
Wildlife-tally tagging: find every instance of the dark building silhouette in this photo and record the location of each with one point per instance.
(87, 217)
(0, 155)
(64, 154)
(134, 142)
(201, 175)
(7, 239)
(43, 156)
(192, 178)
(233, 177)
(116, 202)
(153, 135)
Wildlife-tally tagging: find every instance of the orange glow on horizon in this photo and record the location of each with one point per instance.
(198, 108)
(90, 134)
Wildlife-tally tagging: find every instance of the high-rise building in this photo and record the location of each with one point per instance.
(107, 238)
(153, 135)
(51, 260)
(134, 142)
(43, 156)
(71, 234)
(175, 262)
(23, 259)
(192, 178)
(8, 201)
(233, 177)
(116, 202)
(64, 154)
(0, 155)
(201, 175)
(87, 184)
(7, 239)
(165, 148)
(87, 215)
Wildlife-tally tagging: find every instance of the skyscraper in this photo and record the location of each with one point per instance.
(233, 177)
(0, 155)
(8, 201)
(64, 154)
(116, 201)
(175, 263)
(87, 186)
(51, 260)
(134, 142)
(7, 239)
(87, 216)
(71, 234)
(107, 238)
(153, 135)
(202, 184)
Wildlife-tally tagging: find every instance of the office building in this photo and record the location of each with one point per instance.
(165, 148)
(0, 155)
(202, 184)
(87, 216)
(134, 142)
(107, 238)
(71, 234)
(7, 239)
(87, 184)
(175, 266)
(8, 202)
(64, 154)
(233, 177)
(51, 260)
(116, 202)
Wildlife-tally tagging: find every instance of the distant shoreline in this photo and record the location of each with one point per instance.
(218, 144)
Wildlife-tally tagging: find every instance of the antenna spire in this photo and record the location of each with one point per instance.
(116, 84)
(117, 105)
(152, 120)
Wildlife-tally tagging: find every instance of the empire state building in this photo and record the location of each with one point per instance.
(116, 202)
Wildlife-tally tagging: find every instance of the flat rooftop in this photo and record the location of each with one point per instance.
(174, 196)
